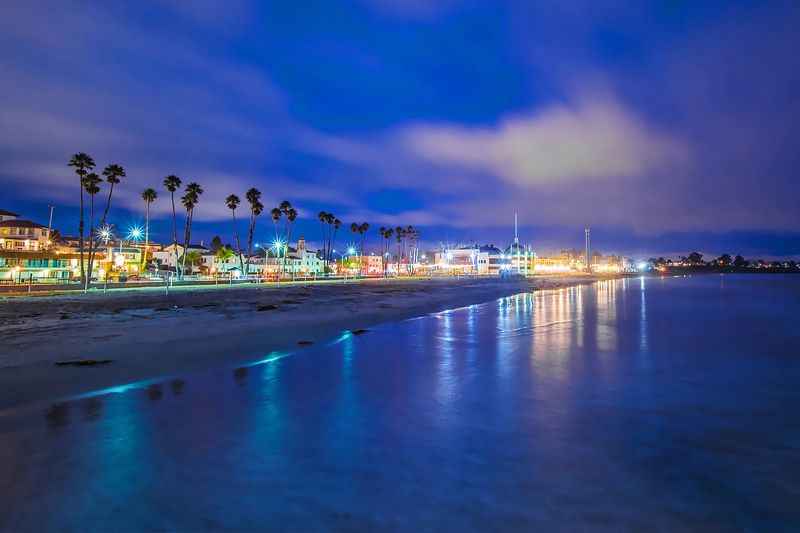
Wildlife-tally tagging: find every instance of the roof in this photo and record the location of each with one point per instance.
(190, 247)
(5, 213)
(490, 249)
(20, 224)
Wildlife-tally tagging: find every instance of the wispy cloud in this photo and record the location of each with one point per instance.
(595, 138)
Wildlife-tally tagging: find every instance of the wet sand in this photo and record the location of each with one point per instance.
(147, 334)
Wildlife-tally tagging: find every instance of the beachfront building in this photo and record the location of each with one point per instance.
(165, 257)
(7, 215)
(520, 259)
(23, 235)
(608, 264)
(26, 253)
(365, 265)
(23, 266)
(475, 260)
(291, 262)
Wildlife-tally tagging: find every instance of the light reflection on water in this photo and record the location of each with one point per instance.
(636, 404)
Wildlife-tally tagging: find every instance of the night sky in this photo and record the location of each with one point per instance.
(667, 126)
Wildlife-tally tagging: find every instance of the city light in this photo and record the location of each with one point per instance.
(105, 234)
(351, 251)
(135, 233)
(278, 245)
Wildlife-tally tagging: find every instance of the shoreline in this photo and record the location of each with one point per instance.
(147, 335)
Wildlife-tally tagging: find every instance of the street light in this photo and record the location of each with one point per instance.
(135, 233)
(105, 234)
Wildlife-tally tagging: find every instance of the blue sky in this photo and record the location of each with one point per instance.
(667, 126)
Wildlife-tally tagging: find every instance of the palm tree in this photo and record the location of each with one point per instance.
(253, 196)
(356, 228)
(189, 201)
(291, 216)
(82, 163)
(330, 220)
(172, 183)
(286, 209)
(224, 254)
(113, 173)
(399, 234)
(149, 196)
(362, 230)
(387, 236)
(275, 213)
(233, 202)
(192, 258)
(91, 184)
(336, 225)
(322, 216)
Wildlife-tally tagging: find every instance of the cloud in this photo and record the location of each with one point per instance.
(596, 138)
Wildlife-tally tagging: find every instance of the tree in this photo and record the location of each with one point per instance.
(253, 197)
(329, 225)
(113, 173)
(285, 209)
(172, 183)
(233, 201)
(386, 233)
(276, 214)
(724, 260)
(149, 196)
(216, 244)
(291, 216)
(399, 234)
(321, 216)
(335, 224)
(739, 261)
(223, 254)
(82, 163)
(192, 258)
(189, 201)
(695, 258)
(361, 229)
(91, 184)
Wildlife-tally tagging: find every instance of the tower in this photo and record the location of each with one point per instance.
(588, 256)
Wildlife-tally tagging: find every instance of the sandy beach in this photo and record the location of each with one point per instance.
(146, 334)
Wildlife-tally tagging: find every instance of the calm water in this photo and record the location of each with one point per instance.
(635, 405)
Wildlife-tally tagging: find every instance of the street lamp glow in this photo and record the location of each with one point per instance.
(135, 233)
(105, 234)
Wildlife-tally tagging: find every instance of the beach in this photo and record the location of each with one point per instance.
(144, 334)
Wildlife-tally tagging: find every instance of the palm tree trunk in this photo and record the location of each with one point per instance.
(361, 268)
(92, 246)
(187, 235)
(236, 240)
(333, 240)
(174, 231)
(146, 236)
(80, 241)
(250, 231)
(288, 240)
(108, 205)
(91, 242)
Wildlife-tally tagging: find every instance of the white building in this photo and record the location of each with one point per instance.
(166, 256)
(22, 235)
